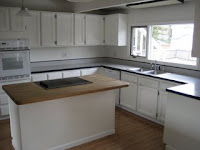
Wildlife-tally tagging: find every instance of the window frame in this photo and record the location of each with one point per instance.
(146, 59)
(147, 41)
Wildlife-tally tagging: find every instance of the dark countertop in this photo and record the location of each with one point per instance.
(190, 87)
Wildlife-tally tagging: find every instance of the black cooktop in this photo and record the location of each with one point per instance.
(59, 83)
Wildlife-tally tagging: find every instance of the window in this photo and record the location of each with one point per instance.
(139, 41)
(166, 43)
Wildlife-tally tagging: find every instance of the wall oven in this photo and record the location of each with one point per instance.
(14, 60)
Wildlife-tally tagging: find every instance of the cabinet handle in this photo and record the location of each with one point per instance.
(55, 42)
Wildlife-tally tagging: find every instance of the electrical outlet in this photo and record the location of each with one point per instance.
(64, 54)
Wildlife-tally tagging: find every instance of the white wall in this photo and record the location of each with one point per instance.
(168, 14)
(73, 52)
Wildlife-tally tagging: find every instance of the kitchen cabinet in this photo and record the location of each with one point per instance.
(89, 71)
(147, 101)
(17, 22)
(80, 36)
(94, 30)
(3, 99)
(33, 28)
(48, 29)
(4, 19)
(38, 77)
(54, 75)
(162, 102)
(116, 29)
(128, 96)
(4, 110)
(162, 99)
(65, 29)
(71, 73)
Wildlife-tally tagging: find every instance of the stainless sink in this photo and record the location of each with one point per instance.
(138, 69)
(153, 72)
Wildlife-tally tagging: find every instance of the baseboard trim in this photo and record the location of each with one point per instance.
(5, 118)
(84, 140)
(167, 147)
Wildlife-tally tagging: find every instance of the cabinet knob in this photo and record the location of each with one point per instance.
(55, 42)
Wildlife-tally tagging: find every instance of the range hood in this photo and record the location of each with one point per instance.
(154, 3)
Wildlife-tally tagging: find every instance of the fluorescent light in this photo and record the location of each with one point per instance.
(154, 3)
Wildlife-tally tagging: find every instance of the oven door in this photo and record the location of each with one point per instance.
(14, 63)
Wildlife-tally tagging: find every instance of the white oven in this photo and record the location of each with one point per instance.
(14, 60)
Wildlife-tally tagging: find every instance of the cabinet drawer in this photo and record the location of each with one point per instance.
(4, 110)
(89, 71)
(3, 99)
(38, 77)
(165, 85)
(54, 75)
(71, 73)
(148, 82)
(129, 77)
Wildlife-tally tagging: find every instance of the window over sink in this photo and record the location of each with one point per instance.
(168, 43)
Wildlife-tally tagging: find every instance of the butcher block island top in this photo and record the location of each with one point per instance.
(26, 93)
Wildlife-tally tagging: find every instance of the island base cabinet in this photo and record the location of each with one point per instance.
(128, 96)
(147, 101)
(62, 123)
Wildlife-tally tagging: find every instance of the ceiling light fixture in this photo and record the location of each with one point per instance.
(154, 3)
(23, 11)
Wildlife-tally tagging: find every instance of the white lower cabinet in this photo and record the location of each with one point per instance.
(147, 101)
(3, 99)
(162, 101)
(54, 75)
(128, 97)
(4, 110)
(89, 71)
(71, 73)
(38, 77)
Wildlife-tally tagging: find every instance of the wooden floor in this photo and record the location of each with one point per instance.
(132, 133)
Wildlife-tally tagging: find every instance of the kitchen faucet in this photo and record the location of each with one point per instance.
(154, 65)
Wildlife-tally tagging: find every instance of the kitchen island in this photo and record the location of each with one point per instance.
(62, 118)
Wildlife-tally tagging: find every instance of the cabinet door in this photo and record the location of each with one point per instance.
(54, 75)
(71, 73)
(4, 17)
(3, 99)
(33, 28)
(111, 30)
(4, 110)
(17, 22)
(94, 30)
(48, 29)
(65, 29)
(80, 29)
(89, 71)
(162, 101)
(38, 77)
(128, 97)
(147, 101)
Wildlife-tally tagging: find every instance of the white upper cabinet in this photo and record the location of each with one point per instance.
(94, 30)
(17, 22)
(4, 19)
(65, 29)
(116, 30)
(48, 29)
(33, 28)
(80, 36)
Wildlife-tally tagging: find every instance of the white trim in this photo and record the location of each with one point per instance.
(5, 118)
(84, 140)
(167, 147)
